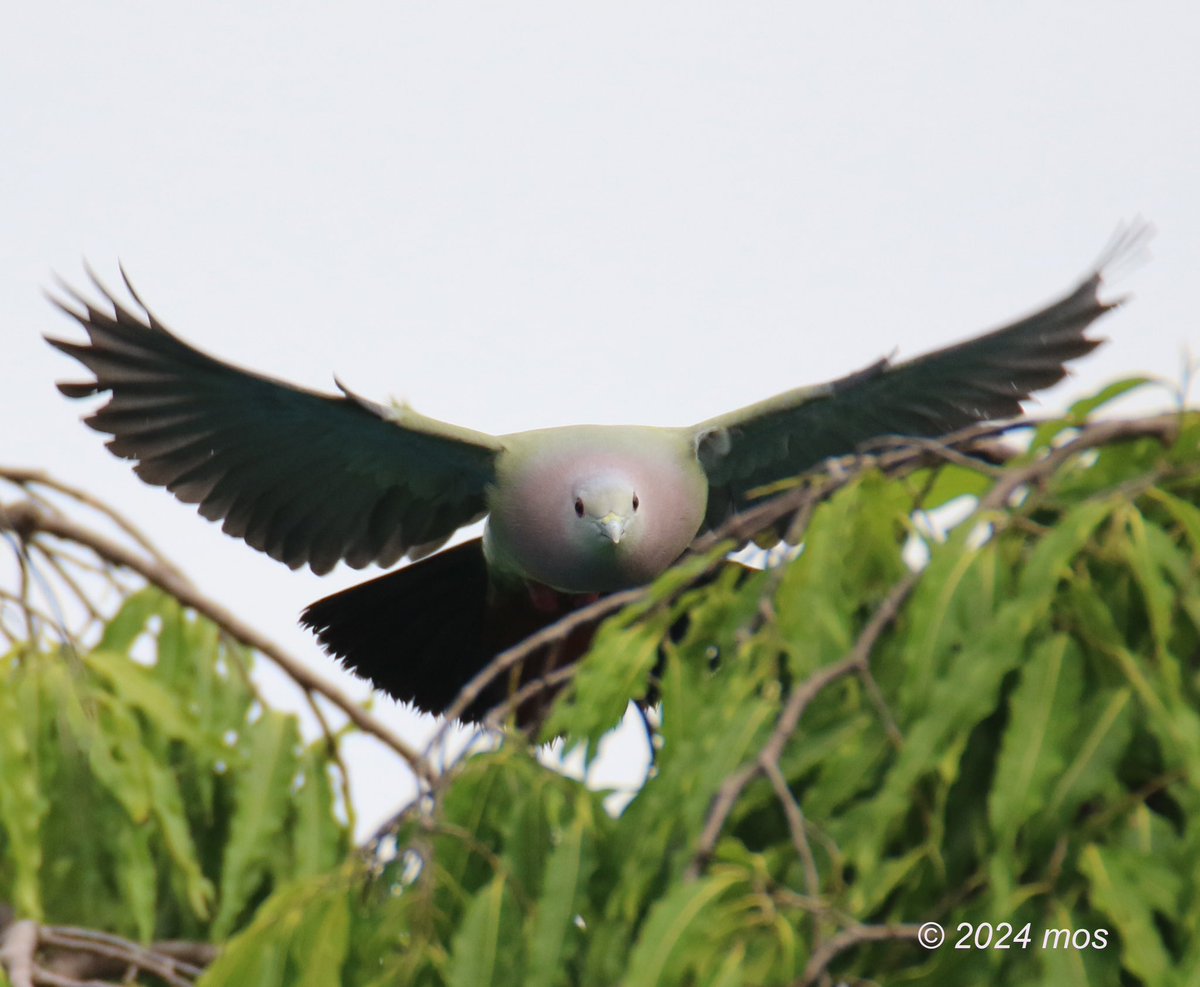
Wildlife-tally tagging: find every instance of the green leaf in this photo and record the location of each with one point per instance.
(1083, 409)
(109, 736)
(1145, 558)
(730, 973)
(949, 483)
(130, 621)
(953, 597)
(1185, 514)
(168, 812)
(1095, 752)
(1043, 720)
(318, 834)
(22, 805)
(1051, 559)
(615, 670)
(263, 801)
(138, 879)
(482, 952)
(322, 942)
(553, 936)
(1123, 885)
(530, 830)
(258, 955)
(660, 956)
(138, 687)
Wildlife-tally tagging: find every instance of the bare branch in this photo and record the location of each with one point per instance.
(512, 657)
(847, 939)
(114, 953)
(797, 828)
(73, 957)
(18, 946)
(72, 584)
(800, 699)
(26, 478)
(32, 613)
(1162, 427)
(48, 978)
(546, 683)
(875, 694)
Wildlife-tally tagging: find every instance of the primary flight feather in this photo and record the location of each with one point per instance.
(571, 512)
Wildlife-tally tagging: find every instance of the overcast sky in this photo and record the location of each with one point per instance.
(526, 214)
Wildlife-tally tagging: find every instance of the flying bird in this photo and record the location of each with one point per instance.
(572, 513)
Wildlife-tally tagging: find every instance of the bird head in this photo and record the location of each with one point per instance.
(591, 509)
(605, 509)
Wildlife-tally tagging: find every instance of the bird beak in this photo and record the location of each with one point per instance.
(613, 526)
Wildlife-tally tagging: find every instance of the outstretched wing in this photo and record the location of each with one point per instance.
(981, 379)
(307, 478)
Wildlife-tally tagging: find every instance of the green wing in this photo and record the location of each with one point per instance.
(981, 379)
(307, 478)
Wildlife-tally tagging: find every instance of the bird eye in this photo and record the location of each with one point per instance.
(579, 507)
(635, 502)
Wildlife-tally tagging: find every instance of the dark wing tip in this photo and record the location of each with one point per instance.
(66, 296)
(1127, 249)
(129, 284)
(983, 377)
(81, 389)
(154, 322)
(73, 296)
(72, 389)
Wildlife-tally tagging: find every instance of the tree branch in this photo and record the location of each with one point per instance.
(847, 939)
(75, 957)
(801, 698)
(27, 519)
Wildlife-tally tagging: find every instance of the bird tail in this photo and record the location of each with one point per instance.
(417, 634)
(422, 633)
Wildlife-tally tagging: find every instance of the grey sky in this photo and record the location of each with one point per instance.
(525, 214)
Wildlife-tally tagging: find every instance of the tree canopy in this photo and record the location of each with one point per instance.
(994, 727)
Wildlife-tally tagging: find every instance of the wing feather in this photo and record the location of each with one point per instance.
(308, 478)
(980, 379)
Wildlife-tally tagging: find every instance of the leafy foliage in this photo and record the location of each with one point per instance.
(154, 798)
(1020, 745)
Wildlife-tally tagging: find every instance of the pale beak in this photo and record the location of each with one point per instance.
(613, 526)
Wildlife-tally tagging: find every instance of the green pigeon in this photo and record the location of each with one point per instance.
(572, 513)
